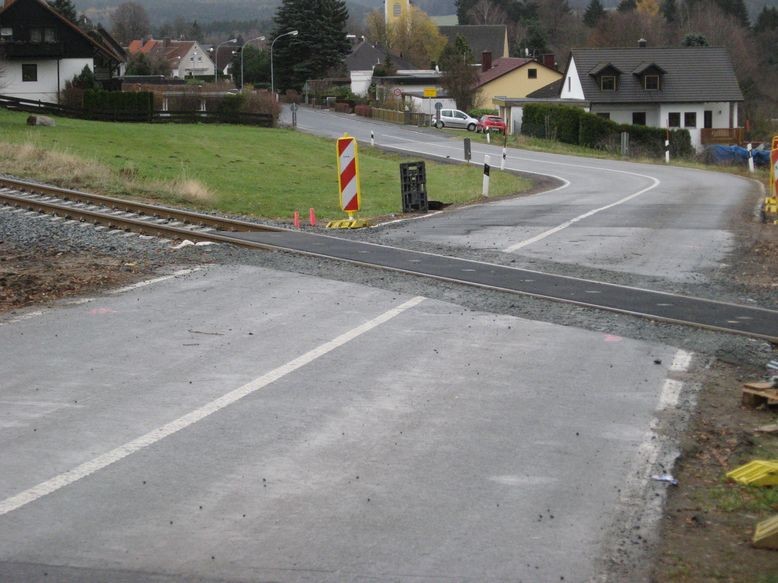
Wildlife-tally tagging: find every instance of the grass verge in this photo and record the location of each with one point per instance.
(234, 169)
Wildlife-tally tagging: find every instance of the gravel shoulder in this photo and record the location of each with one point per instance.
(44, 261)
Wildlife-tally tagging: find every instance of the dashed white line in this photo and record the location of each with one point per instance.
(681, 361)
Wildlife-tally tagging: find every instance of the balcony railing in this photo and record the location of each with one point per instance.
(722, 136)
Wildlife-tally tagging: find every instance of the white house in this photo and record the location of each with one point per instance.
(43, 50)
(185, 57)
(680, 87)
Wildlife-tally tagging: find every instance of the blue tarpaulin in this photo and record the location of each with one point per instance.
(735, 155)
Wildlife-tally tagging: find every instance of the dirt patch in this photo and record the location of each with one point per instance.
(709, 521)
(28, 278)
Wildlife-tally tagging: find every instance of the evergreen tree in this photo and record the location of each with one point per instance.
(627, 5)
(694, 40)
(767, 19)
(65, 8)
(669, 10)
(734, 8)
(593, 13)
(320, 46)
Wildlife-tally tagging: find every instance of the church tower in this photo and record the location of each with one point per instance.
(394, 9)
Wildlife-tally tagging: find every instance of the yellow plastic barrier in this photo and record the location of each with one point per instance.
(756, 473)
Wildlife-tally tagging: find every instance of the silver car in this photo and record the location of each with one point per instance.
(453, 118)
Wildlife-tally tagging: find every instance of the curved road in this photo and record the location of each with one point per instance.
(651, 220)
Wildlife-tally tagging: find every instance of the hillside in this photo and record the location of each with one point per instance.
(210, 10)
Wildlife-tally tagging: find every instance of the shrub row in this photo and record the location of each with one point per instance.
(573, 125)
(99, 101)
(363, 110)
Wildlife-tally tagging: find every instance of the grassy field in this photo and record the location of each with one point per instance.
(235, 169)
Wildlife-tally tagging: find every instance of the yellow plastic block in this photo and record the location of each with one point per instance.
(348, 224)
(766, 534)
(756, 473)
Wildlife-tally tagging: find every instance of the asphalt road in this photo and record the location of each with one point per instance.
(243, 424)
(665, 222)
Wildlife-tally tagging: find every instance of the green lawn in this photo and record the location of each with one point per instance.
(245, 170)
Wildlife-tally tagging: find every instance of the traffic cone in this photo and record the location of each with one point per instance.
(312, 217)
(296, 220)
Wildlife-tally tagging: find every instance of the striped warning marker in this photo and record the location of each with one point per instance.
(348, 175)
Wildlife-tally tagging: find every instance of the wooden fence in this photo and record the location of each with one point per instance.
(401, 117)
(42, 107)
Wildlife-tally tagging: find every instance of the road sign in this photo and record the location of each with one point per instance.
(397, 91)
(774, 167)
(430, 92)
(348, 175)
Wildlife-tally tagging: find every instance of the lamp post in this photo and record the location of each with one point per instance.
(216, 58)
(242, 50)
(272, 78)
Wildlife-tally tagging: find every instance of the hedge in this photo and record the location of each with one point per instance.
(99, 101)
(573, 125)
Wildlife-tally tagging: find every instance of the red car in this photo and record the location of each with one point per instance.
(490, 123)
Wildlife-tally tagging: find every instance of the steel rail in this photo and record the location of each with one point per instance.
(162, 212)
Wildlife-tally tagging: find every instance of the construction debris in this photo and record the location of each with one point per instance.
(759, 393)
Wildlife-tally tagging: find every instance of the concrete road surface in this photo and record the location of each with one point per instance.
(242, 424)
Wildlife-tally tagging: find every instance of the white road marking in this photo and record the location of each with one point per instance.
(147, 282)
(566, 224)
(22, 318)
(671, 393)
(156, 435)
(681, 361)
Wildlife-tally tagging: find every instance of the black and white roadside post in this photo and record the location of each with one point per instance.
(486, 176)
(294, 115)
(504, 149)
(467, 150)
(372, 138)
(750, 158)
(438, 107)
(667, 148)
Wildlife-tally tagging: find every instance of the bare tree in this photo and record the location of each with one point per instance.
(129, 22)
(487, 12)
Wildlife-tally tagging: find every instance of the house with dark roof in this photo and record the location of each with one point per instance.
(366, 56)
(185, 57)
(43, 50)
(511, 76)
(481, 38)
(679, 87)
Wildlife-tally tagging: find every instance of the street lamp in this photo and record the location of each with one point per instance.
(242, 84)
(216, 57)
(272, 78)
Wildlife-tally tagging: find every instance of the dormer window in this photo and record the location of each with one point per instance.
(650, 76)
(651, 82)
(607, 76)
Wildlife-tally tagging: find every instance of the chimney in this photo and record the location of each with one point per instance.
(642, 43)
(486, 61)
(549, 60)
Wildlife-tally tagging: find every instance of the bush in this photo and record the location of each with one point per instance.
(573, 125)
(98, 101)
(477, 113)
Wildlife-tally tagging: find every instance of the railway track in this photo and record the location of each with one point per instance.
(178, 224)
(116, 213)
